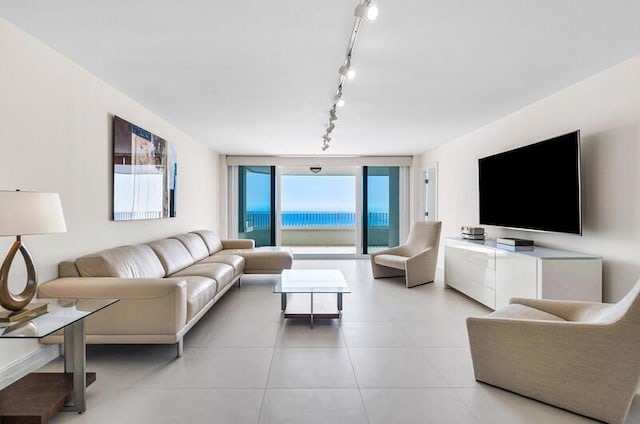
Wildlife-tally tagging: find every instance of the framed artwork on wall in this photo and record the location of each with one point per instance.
(144, 174)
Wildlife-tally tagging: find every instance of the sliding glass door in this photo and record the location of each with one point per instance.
(380, 207)
(256, 204)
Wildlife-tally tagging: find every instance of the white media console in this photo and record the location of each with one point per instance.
(492, 275)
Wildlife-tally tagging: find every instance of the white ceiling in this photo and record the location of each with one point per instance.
(257, 77)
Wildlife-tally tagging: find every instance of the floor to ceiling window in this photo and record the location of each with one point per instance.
(256, 211)
(318, 210)
(340, 210)
(381, 207)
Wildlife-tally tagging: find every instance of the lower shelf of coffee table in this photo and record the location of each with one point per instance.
(37, 397)
(324, 306)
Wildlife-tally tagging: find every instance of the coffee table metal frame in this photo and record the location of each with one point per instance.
(311, 281)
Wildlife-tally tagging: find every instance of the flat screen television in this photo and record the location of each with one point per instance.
(535, 187)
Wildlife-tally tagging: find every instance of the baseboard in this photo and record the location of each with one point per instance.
(28, 363)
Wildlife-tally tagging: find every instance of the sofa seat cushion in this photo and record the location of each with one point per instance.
(137, 261)
(173, 255)
(194, 244)
(263, 260)
(523, 312)
(223, 274)
(236, 261)
(200, 291)
(391, 261)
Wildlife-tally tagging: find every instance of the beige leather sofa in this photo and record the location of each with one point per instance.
(164, 286)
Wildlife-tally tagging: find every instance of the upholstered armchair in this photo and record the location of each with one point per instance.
(415, 260)
(580, 356)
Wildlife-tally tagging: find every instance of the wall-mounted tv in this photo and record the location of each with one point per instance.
(535, 187)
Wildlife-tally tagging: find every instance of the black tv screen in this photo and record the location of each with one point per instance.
(535, 187)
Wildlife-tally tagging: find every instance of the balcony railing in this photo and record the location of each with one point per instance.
(316, 219)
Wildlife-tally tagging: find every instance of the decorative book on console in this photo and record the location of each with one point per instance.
(515, 248)
(514, 241)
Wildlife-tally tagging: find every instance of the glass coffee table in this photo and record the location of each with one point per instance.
(311, 281)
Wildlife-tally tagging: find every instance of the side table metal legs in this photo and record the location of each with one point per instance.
(75, 361)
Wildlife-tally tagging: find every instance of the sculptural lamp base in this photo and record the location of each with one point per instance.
(13, 301)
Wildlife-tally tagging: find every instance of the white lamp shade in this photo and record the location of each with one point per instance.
(28, 212)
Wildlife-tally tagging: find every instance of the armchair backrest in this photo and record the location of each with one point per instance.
(423, 235)
(627, 309)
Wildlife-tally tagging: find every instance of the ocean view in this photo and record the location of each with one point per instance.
(317, 219)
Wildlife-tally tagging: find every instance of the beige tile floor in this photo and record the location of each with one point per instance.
(398, 356)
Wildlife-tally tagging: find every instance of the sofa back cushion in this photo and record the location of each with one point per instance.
(67, 269)
(213, 242)
(173, 255)
(194, 244)
(137, 261)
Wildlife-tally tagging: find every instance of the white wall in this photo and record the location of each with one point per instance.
(55, 135)
(606, 108)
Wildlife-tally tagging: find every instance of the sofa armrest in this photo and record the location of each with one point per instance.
(147, 306)
(239, 244)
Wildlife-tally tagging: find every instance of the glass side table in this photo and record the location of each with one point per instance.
(62, 314)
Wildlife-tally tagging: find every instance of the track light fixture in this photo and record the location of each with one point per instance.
(347, 71)
(365, 11)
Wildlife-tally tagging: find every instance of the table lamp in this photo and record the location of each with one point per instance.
(23, 213)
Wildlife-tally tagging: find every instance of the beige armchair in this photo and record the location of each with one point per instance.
(416, 259)
(580, 356)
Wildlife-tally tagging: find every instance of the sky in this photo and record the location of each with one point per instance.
(312, 193)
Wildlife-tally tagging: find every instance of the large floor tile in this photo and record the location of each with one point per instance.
(298, 333)
(125, 406)
(415, 406)
(243, 334)
(454, 364)
(205, 406)
(394, 368)
(209, 368)
(312, 406)
(311, 367)
(375, 334)
(491, 405)
(437, 334)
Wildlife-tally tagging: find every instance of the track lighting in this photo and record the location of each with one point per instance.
(347, 71)
(367, 11)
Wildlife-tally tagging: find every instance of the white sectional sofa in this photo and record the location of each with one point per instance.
(164, 286)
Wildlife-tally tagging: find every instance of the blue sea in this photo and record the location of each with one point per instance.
(318, 219)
